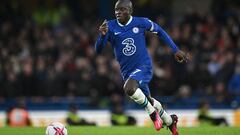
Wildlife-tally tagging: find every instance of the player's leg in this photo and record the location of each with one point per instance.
(169, 120)
(163, 114)
(131, 88)
(135, 93)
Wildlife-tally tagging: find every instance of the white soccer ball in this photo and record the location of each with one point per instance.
(56, 128)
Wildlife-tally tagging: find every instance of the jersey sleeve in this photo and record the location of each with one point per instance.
(147, 24)
(155, 28)
(101, 42)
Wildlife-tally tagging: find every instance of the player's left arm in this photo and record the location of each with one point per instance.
(179, 55)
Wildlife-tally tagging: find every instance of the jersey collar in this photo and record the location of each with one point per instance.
(129, 21)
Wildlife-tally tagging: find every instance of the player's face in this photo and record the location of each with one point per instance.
(123, 11)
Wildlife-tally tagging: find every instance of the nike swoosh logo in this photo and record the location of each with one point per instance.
(116, 33)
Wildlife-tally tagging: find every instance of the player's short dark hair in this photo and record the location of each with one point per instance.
(126, 1)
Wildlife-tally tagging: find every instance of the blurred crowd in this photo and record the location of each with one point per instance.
(50, 52)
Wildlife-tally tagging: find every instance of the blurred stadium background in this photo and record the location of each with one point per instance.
(47, 59)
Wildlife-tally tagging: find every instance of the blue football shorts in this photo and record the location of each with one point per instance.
(143, 74)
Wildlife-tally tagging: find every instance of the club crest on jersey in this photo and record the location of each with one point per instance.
(135, 30)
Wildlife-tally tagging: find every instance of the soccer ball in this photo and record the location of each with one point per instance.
(56, 128)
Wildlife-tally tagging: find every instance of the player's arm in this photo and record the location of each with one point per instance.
(103, 37)
(179, 55)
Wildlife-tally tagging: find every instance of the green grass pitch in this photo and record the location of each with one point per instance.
(125, 131)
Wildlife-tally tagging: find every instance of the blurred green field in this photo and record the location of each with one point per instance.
(124, 131)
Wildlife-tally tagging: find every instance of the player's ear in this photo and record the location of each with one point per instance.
(130, 11)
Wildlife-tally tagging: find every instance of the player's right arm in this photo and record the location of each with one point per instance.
(103, 37)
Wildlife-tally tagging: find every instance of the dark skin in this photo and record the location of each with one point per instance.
(123, 11)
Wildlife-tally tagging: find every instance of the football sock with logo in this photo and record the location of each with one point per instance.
(142, 100)
(163, 114)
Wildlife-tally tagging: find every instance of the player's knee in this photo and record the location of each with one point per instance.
(128, 89)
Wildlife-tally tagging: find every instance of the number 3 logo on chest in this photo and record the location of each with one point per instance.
(129, 48)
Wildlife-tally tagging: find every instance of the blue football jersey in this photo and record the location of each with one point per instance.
(129, 42)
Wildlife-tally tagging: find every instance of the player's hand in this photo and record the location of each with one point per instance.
(181, 56)
(103, 29)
